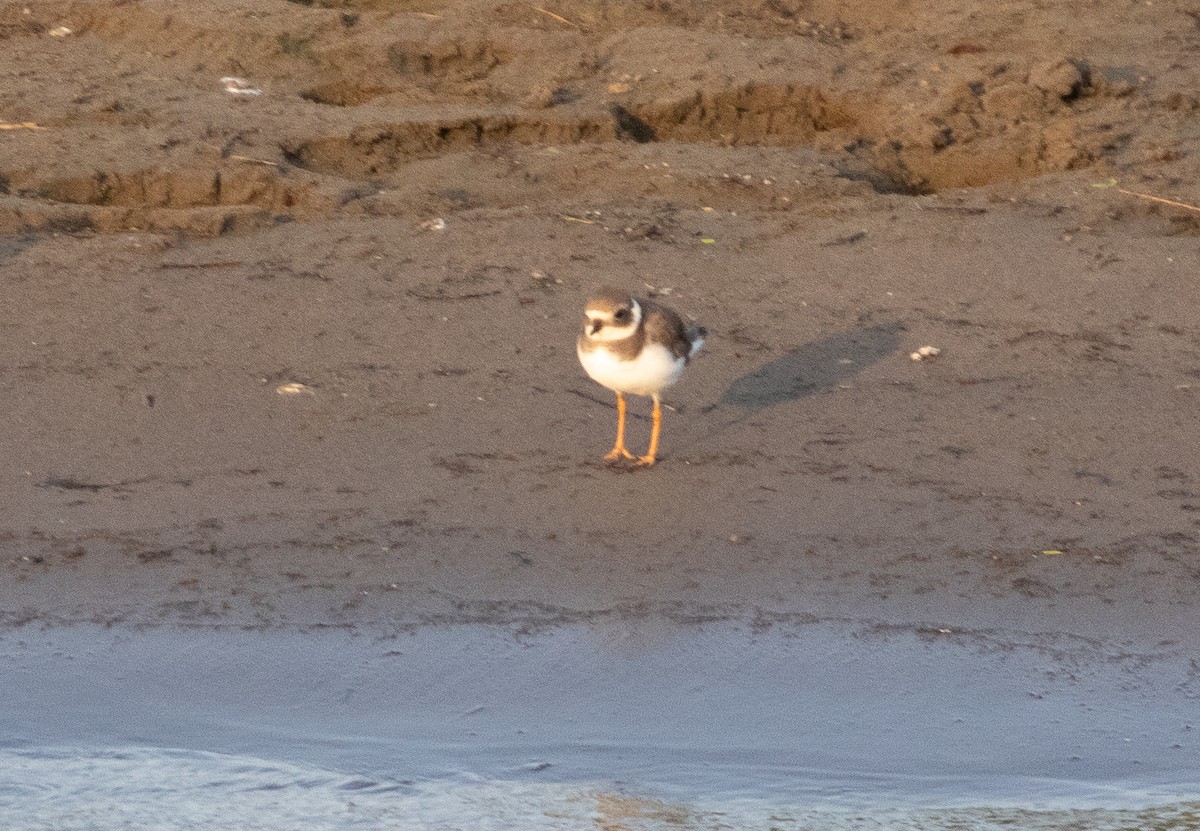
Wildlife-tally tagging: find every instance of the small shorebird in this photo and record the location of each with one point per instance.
(637, 347)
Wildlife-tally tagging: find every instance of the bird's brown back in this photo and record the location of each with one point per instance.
(664, 325)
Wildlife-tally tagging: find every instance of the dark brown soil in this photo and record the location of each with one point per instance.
(827, 186)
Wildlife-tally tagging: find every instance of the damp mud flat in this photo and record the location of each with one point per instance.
(640, 724)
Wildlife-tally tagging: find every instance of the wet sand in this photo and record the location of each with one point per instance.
(249, 386)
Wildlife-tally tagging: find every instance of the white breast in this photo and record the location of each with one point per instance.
(647, 374)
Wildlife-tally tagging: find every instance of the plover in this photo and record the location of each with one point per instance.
(638, 347)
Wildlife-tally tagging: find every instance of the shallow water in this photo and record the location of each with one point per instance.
(642, 722)
(70, 789)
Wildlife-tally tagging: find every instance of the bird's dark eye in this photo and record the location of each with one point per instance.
(622, 316)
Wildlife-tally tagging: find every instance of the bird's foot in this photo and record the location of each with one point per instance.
(645, 461)
(617, 452)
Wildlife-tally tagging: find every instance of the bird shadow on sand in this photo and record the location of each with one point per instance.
(811, 369)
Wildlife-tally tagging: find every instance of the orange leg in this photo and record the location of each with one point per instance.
(651, 454)
(619, 450)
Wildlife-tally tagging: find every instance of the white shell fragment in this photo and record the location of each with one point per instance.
(239, 86)
(925, 353)
(59, 32)
(294, 389)
(435, 224)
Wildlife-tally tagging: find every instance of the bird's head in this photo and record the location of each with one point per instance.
(611, 315)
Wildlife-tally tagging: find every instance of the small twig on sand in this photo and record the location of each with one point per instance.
(1171, 202)
(255, 161)
(23, 125)
(557, 17)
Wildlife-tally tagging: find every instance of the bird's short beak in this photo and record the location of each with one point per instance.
(595, 325)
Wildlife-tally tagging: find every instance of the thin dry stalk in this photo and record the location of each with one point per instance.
(255, 161)
(1152, 198)
(557, 17)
